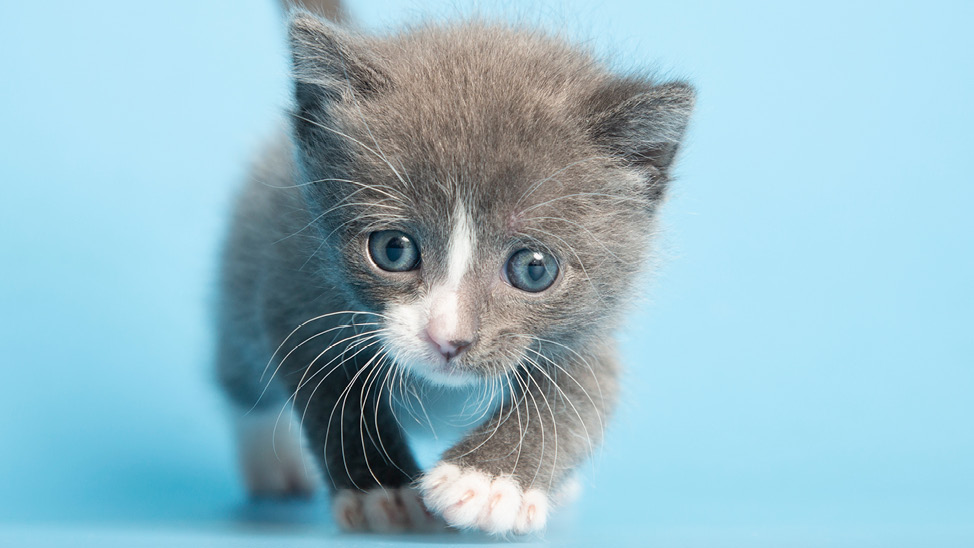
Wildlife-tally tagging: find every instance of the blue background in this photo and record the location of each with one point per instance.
(803, 374)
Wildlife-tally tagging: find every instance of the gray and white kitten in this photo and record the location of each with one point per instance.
(457, 205)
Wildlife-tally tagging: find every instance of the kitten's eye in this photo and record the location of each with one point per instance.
(393, 250)
(531, 271)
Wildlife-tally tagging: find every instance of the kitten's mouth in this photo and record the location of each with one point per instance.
(444, 372)
(444, 366)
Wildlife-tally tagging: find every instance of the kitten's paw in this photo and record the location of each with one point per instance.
(383, 511)
(467, 497)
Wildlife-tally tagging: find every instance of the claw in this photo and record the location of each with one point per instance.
(494, 501)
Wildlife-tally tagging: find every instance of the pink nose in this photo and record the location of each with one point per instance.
(449, 348)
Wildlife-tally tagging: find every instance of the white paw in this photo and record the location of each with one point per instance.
(273, 458)
(469, 498)
(382, 511)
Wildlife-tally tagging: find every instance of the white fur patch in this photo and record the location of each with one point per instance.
(444, 306)
(439, 311)
(469, 498)
(443, 300)
(405, 325)
(272, 455)
(463, 241)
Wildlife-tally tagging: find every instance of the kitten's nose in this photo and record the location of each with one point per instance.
(449, 348)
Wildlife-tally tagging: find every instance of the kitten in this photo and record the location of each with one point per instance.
(456, 205)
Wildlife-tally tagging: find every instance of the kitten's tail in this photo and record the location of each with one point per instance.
(332, 9)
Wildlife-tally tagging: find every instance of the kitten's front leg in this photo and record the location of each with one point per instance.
(501, 477)
(363, 452)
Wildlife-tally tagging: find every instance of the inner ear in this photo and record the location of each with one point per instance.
(642, 123)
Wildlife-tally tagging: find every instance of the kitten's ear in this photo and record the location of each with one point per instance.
(642, 123)
(330, 64)
(330, 58)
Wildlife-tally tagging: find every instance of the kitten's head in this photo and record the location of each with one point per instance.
(490, 192)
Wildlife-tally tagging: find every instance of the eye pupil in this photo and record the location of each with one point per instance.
(395, 249)
(536, 269)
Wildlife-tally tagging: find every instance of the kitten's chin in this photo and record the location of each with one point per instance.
(442, 374)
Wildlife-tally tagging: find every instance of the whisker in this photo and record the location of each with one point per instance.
(554, 426)
(380, 219)
(306, 322)
(362, 430)
(358, 106)
(378, 401)
(355, 340)
(340, 205)
(594, 237)
(584, 361)
(582, 194)
(499, 421)
(299, 345)
(581, 263)
(537, 184)
(343, 399)
(527, 419)
(567, 398)
(352, 139)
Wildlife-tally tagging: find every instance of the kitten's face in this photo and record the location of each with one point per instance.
(476, 204)
(476, 268)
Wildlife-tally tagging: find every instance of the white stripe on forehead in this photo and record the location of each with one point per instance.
(463, 240)
(443, 301)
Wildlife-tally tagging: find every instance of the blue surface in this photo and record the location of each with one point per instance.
(803, 374)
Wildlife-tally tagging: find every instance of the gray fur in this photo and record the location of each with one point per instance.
(541, 143)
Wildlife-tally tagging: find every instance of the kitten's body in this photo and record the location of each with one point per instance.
(475, 141)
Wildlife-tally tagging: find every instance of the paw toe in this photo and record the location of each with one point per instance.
(460, 498)
(384, 511)
(348, 511)
(533, 513)
(503, 503)
(421, 519)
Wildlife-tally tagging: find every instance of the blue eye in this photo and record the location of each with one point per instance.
(393, 250)
(531, 271)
